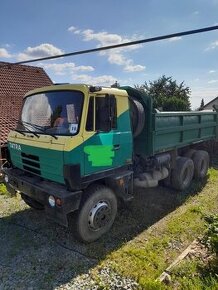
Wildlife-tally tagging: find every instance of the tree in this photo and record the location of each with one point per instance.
(167, 94)
(202, 105)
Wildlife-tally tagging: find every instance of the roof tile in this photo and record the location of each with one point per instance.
(15, 82)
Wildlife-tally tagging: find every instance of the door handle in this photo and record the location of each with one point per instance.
(116, 147)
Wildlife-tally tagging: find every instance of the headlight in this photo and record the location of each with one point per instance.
(6, 178)
(51, 200)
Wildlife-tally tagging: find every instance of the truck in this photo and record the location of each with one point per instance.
(79, 150)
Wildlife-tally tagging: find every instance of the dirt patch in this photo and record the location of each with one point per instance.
(39, 254)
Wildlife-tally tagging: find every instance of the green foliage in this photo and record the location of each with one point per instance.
(3, 190)
(211, 236)
(167, 94)
(150, 284)
(194, 274)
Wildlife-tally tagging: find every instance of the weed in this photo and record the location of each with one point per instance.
(194, 275)
(211, 236)
(3, 190)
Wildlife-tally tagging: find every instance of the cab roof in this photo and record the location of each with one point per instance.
(82, 87)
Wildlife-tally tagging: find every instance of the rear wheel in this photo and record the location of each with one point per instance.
(97, 213)
(201, 163)
(31, 202)
(183, 173)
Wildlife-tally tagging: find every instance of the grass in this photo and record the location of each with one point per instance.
(196, 274)
(143, 257)
(151, 252)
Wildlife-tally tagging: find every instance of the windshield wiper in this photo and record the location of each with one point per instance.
(37, 127)
(29, 124)
(23, 124)
(40, 128)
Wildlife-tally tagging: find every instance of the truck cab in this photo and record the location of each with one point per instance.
(84, 127)
(67, 138)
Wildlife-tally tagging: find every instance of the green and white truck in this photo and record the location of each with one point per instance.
(78, 150)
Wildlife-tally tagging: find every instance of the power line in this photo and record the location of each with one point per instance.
(130, 43)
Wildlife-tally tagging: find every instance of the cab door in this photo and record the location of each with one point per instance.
(102, 150)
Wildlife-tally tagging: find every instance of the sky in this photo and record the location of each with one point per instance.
(30, 29)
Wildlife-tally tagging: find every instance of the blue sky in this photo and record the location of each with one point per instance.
(31, 29)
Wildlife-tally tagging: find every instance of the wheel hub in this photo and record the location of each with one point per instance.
(99, 215)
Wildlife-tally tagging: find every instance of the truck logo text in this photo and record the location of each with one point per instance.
(15, 146)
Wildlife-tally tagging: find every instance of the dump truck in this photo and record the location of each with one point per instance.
(79, 150)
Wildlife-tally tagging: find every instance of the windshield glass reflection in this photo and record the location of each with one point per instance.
(57, 112)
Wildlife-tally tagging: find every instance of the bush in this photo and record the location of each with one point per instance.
(211, 236)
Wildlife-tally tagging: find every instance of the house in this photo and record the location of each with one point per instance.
(209, 106)
(15, 81)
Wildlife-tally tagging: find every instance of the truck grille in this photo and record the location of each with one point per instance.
(31, 163)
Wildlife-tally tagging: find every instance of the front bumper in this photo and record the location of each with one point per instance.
(40, 190)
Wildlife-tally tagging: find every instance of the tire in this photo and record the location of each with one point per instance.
(183, 173)
(97, 213)
(31, 202)
(137, 116)
(201, 164)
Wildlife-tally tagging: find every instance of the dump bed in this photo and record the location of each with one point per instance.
(164, 131)
(177, 129)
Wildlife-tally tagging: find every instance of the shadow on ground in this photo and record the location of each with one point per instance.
(36, 253)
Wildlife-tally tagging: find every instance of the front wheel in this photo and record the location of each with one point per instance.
(97, 213)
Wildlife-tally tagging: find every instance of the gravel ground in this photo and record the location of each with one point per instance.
(36, 253)
(107, 279)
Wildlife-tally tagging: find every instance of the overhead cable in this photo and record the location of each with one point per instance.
(114, 46)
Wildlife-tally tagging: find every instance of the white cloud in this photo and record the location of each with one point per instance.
(42, 50)
(213, 45)
(66, 68)
(212, 71)
(104, 38)
(71, 28)
(134, 68)
(4, 53)
(104, 80)
(77, 31)
(115, 56)
(212, 81)
(176, 38)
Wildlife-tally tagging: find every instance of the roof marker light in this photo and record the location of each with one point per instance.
(93, 89)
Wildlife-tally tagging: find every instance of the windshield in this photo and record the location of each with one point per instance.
(53, 112)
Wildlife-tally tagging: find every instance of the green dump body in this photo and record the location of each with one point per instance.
(165, 131)
(177, 129)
